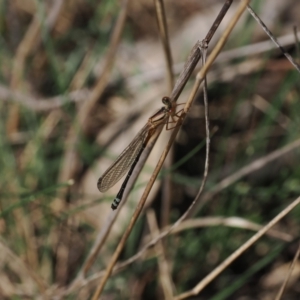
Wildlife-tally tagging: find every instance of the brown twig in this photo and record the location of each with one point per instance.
(297, 42)
(273, 38)
(217, 21)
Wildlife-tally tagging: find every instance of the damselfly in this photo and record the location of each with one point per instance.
(131, 154)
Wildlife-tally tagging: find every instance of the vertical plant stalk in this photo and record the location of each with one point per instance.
(297, 43)
(100, 86)
(163, 266)
(164, 36)
(30, 41)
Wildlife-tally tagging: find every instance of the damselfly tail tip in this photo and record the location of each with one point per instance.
(115, 203)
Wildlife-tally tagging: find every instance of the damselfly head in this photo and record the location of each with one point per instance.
(167, 102)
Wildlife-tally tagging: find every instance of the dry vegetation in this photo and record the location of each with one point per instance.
(78, 81)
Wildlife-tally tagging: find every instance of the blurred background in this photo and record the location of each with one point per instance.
(72, 99)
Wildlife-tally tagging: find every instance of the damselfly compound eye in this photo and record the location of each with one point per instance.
(167, 101)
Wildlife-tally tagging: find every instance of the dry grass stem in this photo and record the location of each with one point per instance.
(133, 82)
(273, 38)
(252, 167)
(80, 77)
(163, 265)
(29, 42)
(297, 42)
(43, 134)
(209, 278)
(255, 48)
(235, 222)
(100, 86)
(286, 279)
(24, 270)
(42, 105)
(264, 106)
(164, 36)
